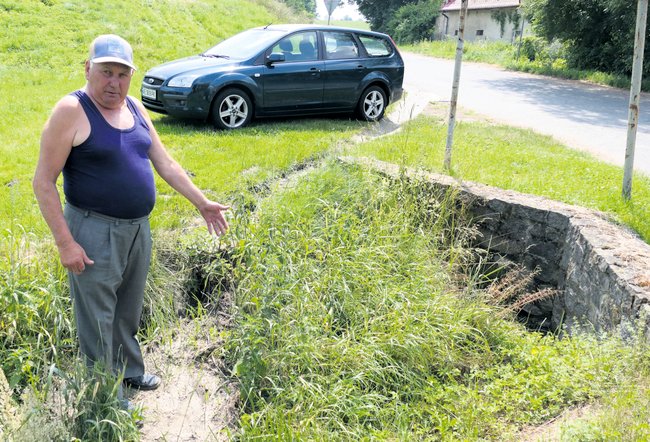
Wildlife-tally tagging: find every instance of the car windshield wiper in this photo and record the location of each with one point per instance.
(215, 55)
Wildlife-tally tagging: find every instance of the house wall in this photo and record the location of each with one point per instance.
(477, 20)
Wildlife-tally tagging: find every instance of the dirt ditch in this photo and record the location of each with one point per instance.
(199, 399)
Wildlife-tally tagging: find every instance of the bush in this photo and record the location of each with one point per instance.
(538, 49)
(414, 22)
(599, 33)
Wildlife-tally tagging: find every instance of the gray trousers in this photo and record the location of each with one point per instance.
(108, 295)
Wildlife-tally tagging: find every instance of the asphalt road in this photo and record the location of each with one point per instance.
(580, 115)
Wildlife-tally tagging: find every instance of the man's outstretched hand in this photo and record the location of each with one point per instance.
(212, 212)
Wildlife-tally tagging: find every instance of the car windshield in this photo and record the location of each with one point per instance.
(245, 44)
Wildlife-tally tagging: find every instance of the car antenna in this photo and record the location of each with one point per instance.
(265, 27)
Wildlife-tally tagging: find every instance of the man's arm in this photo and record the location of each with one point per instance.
(57, 139)
(176, 177)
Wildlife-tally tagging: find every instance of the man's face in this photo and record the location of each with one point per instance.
(108, 83)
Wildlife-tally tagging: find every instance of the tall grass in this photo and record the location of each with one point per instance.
(75, 405)
(351, 325)
(518, 159)
(35, 321)
(42, 50)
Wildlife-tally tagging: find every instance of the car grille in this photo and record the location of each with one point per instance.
(152, 81)
(153, 103)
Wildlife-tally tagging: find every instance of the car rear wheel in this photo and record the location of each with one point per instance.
(372, 104)
(231, 109)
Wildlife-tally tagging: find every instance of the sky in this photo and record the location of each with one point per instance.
(339, 13)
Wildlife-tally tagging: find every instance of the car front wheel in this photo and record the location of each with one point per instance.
(372, 104)
(231, 109)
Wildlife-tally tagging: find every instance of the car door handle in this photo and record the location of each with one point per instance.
(361, 66)
(314, 70)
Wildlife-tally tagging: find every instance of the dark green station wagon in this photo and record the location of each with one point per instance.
(280, 70)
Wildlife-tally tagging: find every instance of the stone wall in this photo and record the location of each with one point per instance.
(602, 270)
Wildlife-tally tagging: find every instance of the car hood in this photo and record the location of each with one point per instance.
(195, 64)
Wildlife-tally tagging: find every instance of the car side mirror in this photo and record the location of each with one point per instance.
(275, 57)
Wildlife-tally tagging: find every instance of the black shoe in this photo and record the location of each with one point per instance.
(143, 382)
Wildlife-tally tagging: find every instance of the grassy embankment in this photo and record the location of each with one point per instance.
(355, 316)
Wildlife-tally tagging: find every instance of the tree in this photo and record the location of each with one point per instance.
(599, 33)
(405, 20)
(380, 12)
(308, 6)
(415, 21)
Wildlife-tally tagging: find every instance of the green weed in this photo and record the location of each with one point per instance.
(350, 325)
(76, 405)
(353, 322)
(518, 159)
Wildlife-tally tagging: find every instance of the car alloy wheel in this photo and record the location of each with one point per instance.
(232, 109)
(372, 104)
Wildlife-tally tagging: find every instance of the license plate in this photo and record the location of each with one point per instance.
(149, 93)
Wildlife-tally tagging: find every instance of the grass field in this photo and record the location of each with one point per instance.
(521, 160)
(357, 315)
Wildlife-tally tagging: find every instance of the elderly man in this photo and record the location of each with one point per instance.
(104, 143)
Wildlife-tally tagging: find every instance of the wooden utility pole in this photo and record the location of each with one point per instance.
(635, 95)
(454, 87)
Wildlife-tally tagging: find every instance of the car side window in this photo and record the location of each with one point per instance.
(285, 47)
(376, 46)
(301, 46)
(340, 45)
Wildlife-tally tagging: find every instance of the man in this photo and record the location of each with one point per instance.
(104, 143)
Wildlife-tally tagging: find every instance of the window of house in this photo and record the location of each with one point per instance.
(479, 32)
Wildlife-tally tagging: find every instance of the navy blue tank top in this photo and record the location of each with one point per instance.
(110, 171)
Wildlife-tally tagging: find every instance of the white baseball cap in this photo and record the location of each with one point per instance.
(110, 48)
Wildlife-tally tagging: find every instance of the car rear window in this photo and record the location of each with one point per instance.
(376, 46)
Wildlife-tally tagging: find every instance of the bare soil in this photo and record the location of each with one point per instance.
(198, 399)
(551, 430)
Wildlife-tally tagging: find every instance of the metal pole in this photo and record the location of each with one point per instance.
(454, 87)
(635, 95)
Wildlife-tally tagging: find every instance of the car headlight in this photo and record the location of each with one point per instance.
(182, 81)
